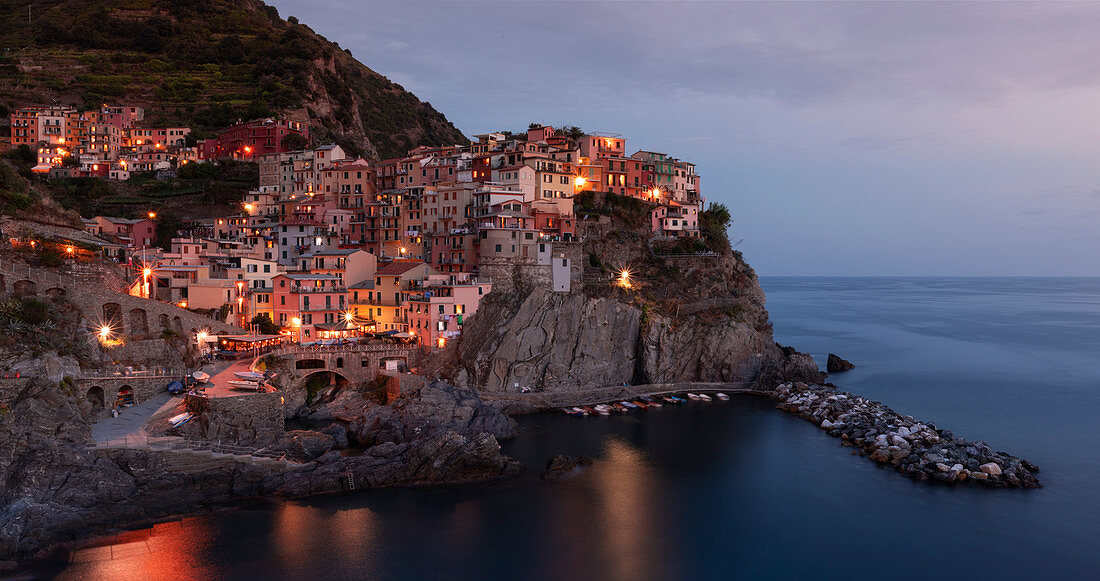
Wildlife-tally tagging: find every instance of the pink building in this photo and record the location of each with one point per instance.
(439, 305)
(302, 302)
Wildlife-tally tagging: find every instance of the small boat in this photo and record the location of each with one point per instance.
(588, 410)
(641, 404)
(693, 396)
(704, 397)
(176, 387)
(244, 385)
(180, 419)
(249, 375)
(722, 396)
(603, 410)
(651, 402)
(619, 408)
(674, 400)
(627, 405)
(571, 411)
(578, 411)
(201, 377)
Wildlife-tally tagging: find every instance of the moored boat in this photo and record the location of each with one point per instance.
(722, 396)
(693, 396)
(201, 377)
(704, 397)
(627, 405)
(249, 375)
(237, 384)
(588, 410)
(579, 411)
(641, 404)
(602, 409)
(619, 408)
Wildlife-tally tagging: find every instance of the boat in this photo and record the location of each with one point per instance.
(603, 410)
(176, 387)
(652, 402)
(244, 385)
(722, 396)
(641, 404)
(627, 405)
(619, 408)
(674, 400)
(249, 375)
(588, 410)
(201, 377)
(579, 411)
(693, 396)
(571, 411)
(704, 397)
(180, 419)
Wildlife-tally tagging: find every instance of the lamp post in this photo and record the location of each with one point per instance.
(200, 337)
(297, 322)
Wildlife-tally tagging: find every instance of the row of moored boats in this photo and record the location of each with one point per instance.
(641, 403)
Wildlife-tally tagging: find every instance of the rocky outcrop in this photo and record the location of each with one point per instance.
(58, 489)
(433, 408)
(561, 466)
(917, 449)
(836, 364)
(551, 341)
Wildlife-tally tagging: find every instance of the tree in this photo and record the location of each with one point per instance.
(714, 222)
(168, 227)
(264, 324)
(70, 161)
(294, 142)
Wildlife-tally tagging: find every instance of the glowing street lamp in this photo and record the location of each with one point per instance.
(152, 215)
(579, 182)
(104, 334)
(297, 322)
(402, 249)
(200, 338)
(349, 316)
(624, 278)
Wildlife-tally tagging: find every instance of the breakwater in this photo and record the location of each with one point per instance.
(917, 449)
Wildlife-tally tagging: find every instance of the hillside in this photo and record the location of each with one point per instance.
(206, 64)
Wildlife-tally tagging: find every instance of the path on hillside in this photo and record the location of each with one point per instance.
(128, 429)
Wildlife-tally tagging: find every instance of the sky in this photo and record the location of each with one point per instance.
(873, 139)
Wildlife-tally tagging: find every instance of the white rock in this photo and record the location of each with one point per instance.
(942, 467)
(957, 467)
(826, 424)
(903, 431)
(991, 468)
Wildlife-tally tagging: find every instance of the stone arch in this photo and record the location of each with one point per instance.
(24, 288)
(177, 324)
(322, 386)
(163, 321)
(97, 398)
(138, 323)
(56, 292)
(309, 364)
(112, 315)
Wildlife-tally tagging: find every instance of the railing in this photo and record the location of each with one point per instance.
(315, 289)
(165, 372)
(349, 348)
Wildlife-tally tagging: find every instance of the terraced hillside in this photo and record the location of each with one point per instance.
(206, 63)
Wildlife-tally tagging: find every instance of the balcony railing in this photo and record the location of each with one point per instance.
(318, 289)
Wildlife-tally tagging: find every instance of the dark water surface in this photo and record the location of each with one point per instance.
(737, 489)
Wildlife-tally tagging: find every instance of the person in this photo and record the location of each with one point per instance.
(114, 410)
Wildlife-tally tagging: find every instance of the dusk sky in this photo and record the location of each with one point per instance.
(847, 139)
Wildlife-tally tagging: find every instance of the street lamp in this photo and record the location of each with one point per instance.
(200, 337)
(624, 278)
(297, 322)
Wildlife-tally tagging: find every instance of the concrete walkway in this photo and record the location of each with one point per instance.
(128, 429)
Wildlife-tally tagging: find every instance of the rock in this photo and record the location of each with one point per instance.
(305, 445)
(881, 455)
(561, 466)
(835, 364)
(991, 468)
(339, 433)
(432, 407)
(826, 424)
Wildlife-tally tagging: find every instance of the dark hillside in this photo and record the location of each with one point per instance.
(206, 64)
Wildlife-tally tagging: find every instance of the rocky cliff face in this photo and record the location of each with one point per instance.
(691, 321)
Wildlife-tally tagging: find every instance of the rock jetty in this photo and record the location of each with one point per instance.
(917, 449)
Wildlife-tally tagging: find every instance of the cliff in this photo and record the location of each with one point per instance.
(695, 318)
(206, 64)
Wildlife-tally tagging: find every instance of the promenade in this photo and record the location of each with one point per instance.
(612, 393)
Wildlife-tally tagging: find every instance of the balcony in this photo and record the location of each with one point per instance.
(318, 289)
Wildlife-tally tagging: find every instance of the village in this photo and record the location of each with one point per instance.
(328, 247)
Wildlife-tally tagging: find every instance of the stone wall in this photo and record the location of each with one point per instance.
(254, 420)
(11, 387)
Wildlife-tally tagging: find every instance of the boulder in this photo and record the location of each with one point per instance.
(835, 364)
(306, 444)
(991, 468)
(561, 466)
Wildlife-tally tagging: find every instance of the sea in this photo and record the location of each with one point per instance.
(738, 489)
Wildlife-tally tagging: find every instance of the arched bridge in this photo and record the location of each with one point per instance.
(356, 364)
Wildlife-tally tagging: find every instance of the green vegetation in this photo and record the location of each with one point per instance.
(264, 324)
(714, 223)
(206, 64)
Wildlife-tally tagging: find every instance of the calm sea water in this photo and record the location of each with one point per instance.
(736, 489)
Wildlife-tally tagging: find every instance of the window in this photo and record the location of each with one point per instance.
(498, 248)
